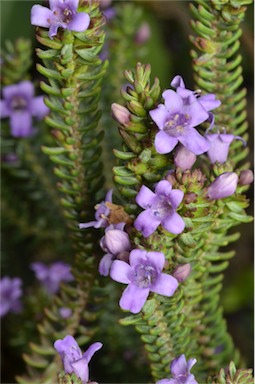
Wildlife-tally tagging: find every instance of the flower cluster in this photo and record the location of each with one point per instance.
(20, 105)
(51, 276)
(73, 359)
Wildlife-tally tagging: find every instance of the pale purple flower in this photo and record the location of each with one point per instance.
(183, 158)
(160, 208)
(102, 213)
(180, 370)
(223, 186)
(219, 146)
(208, 101)
(143, 34)
(20, 105)
(143, 275)
(115, 242)
(51, 276)
(62, 13)
(73, 359)
(176, 120)
(65, 312)
(10, 293)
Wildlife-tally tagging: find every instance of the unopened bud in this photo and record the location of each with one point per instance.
(223, 186)
(117, 241)
(121, 114)
(182, 272)
(143, 34)
(184, 158)
(246, 177)
(190, 197)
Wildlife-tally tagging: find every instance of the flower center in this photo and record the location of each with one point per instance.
(161, 207)
(176, 124)
(63, 15)
(145, 275)
(18, 103)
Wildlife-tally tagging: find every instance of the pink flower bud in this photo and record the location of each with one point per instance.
(183, 158)
(246, 177)
(120, 114)
(117, 241)
(143, 34)
(223, 186)
(182, 272)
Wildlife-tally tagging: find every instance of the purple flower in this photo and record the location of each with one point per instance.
(219, 146)
(144, 274)
(102, 212)
(176, 120)
(73, 359)
(208, 101)
(143, 34)
(51, 276)
(246, 177)
(183, 158)
(115, 242)
(223, 186)
(159, 208)
(10, 292)
(180, 370)
(62, 13)
(65, 312)
(182, 272)
(21, 106)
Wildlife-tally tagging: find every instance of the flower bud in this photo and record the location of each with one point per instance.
(246, 177)
(183, 158)
(223, 186)
(117, 241)
(143, 34)
(182, 272)
(121, 114)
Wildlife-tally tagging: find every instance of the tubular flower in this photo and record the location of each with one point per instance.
(102, 212)
(176, 120)
(180, 369)
(143, 275)
(223, 186)
(62, 13)
(115, 242)
(51, 276)
(21, 106)
(219, 146)
(160, 208)
(10, 292)
(73, 359)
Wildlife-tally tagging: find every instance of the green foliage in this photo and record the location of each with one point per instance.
(233, 376)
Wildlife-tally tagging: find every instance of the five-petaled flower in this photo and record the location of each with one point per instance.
(73, 358)
(20, 105)
(102, 213)
(116, 243)
(143, 274)
(51, 276)
(219, 146)
(160, 208)
(10, 292)
(180, 370)
(176, 120)
(62, 13)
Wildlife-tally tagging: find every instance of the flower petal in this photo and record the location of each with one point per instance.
(164, 143)
(163, 188)
(196, 112)
(38, 108)
(145, 197)
(134, 298)
(146, 223)
(80, 22)
(137, 256)
(177, 82)
(165, 285)
(105, 264)
(194, 142)
(173, 223)
(121, 271)
(87, 225)
(176, 197)
(80, 368)
(40, 16)
(93, 348)
(21, 124)
(159, 115)
(173, 101)
(209, 101)
(4, 110)
(156, 259)
(179, 366)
